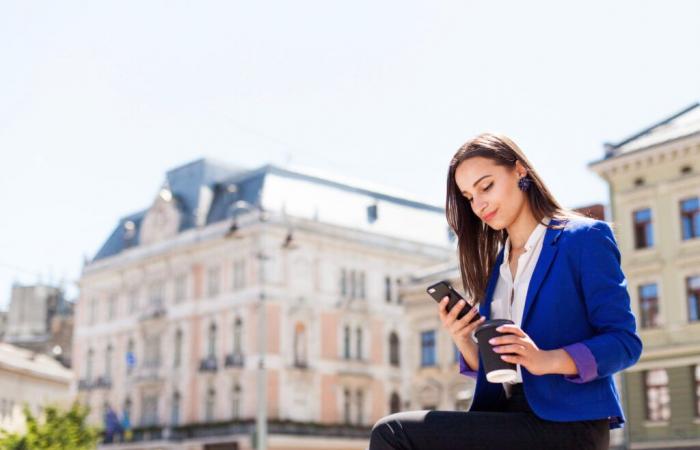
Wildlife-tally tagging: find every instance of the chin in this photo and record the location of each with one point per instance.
(496, 225)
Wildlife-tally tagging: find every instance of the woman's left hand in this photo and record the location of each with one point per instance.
(520, 349)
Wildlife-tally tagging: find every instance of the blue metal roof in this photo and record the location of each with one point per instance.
(228, 185)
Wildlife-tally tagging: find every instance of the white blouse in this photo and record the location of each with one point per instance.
(509, 294)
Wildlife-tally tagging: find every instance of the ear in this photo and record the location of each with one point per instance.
(520, 169)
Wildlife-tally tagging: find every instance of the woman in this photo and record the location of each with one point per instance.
(554, 273)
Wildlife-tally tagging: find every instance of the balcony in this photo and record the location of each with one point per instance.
(153, 312)
(208, 364)
(149, 373)
(85, 384)
(234, 360)
(104, 382)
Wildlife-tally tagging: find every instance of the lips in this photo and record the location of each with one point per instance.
(490, 216)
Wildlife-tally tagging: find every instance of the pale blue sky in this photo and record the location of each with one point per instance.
(99, 99)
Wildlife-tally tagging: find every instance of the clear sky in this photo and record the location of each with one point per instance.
(99, 99)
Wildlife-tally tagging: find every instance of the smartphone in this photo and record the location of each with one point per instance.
(443, 288)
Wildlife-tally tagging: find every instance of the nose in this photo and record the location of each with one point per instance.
(479, 206)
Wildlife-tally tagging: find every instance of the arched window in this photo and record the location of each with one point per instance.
(236, 401)
(360, 406)
(175, 409)
(177, 355)
(210, 404)
(88, 364)
(346, 342)
(394, 349)
(237, 336)
(394, 403)
(212, 341)
(108, 361)
(299, 345)
(346, 406)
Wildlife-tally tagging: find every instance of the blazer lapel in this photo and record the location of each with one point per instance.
(485, 306)
(549, 251)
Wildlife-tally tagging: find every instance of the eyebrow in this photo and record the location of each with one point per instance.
(477, 182)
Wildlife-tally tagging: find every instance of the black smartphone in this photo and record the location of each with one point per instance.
(443, 288)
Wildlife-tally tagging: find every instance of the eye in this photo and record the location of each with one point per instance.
(488, 187)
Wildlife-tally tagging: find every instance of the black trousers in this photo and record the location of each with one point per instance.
(515, 428)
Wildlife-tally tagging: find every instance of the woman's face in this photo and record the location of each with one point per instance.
(491, 190)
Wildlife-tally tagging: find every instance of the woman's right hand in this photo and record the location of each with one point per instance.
(460, 330)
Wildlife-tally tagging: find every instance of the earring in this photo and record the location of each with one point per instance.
(524, 183)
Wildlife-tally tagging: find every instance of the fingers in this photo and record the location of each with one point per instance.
(464, 322)
(513, 348)
(512, 329)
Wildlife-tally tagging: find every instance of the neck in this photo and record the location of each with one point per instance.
(521, 228)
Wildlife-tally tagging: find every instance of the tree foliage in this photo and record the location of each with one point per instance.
(56, 430)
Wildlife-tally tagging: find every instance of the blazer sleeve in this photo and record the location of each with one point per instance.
(615, 345)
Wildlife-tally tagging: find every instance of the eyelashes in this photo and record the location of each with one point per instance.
(487, 188)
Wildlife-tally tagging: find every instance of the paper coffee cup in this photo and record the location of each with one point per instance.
(497, 370)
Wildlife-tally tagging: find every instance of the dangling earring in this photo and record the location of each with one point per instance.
(524, 183)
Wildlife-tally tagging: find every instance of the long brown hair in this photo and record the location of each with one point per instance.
(478, 244)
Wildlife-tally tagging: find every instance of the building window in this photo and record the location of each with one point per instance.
(112, 307)
(300, 345)
(372, 213)
(108, 362)
(149, 417)
(151, 353)
(696, 373)
(649, 305)
(180, 288)
(394, 403)
(353, 284)
(236, 401)
(133, 301)
(360, 406)
(657, 396)
(92, 316)
(346, 342)
(343, 283)
(175, 409)
(690, 218)
(346, 406)
(693, 294)
(387, 289)
(211, 347)
(394, 350)
(358, 350)
(427, 339)
(237, 336)
(361, 286)
(210, 404)
(643, 229)
(213, 282)
(155, 295)
(177, 354)
(88, 364)
(238, 282)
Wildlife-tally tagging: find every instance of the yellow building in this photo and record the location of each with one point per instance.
(654, 180)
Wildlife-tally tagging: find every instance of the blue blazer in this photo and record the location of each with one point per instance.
(577, 294)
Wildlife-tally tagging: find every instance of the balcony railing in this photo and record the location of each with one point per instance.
(208, 364)
(234, 360)
(153, 312)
